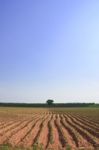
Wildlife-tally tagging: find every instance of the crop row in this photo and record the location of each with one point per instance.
(51, 131)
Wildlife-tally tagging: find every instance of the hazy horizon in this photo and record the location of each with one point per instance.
(49, 50)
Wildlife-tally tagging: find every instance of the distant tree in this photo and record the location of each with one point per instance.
(49, 102)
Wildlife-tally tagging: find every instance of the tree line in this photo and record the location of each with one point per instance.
(48, 105)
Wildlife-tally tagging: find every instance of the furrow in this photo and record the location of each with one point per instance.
(70, 131)
(17, 137)
(82, 132)
(5, 138)
(86, 122)
(42, 136)
(28, 141)
(82, 125)
(90, 121)
(21, 142)
(62, 138)
(54, 136)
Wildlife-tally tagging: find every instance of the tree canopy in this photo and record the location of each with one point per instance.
(49, 101)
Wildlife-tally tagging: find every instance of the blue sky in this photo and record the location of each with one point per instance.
(49, 49)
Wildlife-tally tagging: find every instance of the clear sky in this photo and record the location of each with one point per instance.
(49, 49)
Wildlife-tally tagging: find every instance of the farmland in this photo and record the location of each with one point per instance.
(49, 128)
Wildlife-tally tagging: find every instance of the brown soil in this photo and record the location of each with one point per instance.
(51, 130)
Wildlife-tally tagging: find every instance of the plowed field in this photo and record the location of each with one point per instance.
(55, 129)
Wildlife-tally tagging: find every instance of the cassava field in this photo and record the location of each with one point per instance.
(53, 128)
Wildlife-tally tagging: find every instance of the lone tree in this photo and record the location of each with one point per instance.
(49, 102)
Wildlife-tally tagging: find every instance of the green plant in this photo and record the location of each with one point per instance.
(38, 146)
(50, 133)
(4, 148)
(68, 147)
